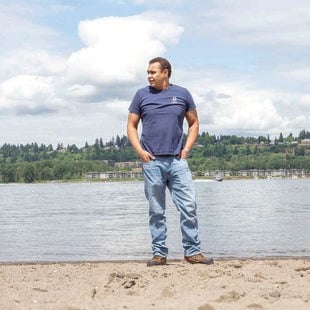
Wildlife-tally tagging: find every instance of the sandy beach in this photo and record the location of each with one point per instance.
(228, 284)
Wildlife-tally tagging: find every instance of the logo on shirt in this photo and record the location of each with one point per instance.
(174, 99)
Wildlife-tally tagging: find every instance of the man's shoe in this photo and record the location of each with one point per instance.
(157, 261)
(199, 259)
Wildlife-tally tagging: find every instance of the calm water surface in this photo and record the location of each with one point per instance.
(109, 221)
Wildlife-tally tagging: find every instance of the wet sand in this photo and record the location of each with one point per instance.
(228, 284)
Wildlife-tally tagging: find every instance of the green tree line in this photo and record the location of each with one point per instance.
(33, 163)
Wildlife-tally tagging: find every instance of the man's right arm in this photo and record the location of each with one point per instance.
(133, 137)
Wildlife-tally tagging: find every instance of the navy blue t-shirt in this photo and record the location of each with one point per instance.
(162, 113)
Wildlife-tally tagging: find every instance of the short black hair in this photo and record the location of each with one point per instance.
(164, 63)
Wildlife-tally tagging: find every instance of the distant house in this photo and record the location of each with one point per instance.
(112, 175)
(128, 164)
(305, 141)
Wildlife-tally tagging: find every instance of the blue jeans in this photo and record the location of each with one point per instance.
(172, 173)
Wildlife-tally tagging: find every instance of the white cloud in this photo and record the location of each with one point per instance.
(305, 104)
(28, 94)
(299, 74)
(248, 112)
(238, 106)
(82, 92)
(117, 48)
(277, 22)
(115, 56)
(235, 108)
(35, 62)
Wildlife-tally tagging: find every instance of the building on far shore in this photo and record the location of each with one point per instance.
(136, 173)
(113, 175)
(305, 141)
(281, 173)
(128, 164)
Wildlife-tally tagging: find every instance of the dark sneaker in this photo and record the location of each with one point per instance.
(157, 261)
(199, 259)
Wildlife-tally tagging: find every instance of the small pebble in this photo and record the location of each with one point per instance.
(275, 294)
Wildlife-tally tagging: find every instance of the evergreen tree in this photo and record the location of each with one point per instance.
(281, 139)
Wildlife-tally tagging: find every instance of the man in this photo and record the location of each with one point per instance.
(162, 107)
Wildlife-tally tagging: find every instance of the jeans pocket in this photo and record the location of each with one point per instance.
(147, 163)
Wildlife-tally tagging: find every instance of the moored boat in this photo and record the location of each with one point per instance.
(218, 178)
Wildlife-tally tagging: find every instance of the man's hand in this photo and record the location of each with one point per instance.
(145, 156)
(184, 153)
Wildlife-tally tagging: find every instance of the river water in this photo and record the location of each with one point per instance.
(109, 221)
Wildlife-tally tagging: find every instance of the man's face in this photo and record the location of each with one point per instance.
(156, 76)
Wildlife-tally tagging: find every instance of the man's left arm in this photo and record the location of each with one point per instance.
(192, 134)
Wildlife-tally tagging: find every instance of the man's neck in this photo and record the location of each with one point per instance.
(164, 86)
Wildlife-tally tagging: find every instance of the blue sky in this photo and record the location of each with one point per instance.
(69, 69)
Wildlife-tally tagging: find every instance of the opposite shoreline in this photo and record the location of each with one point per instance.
(195, 178)
(231, 283)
